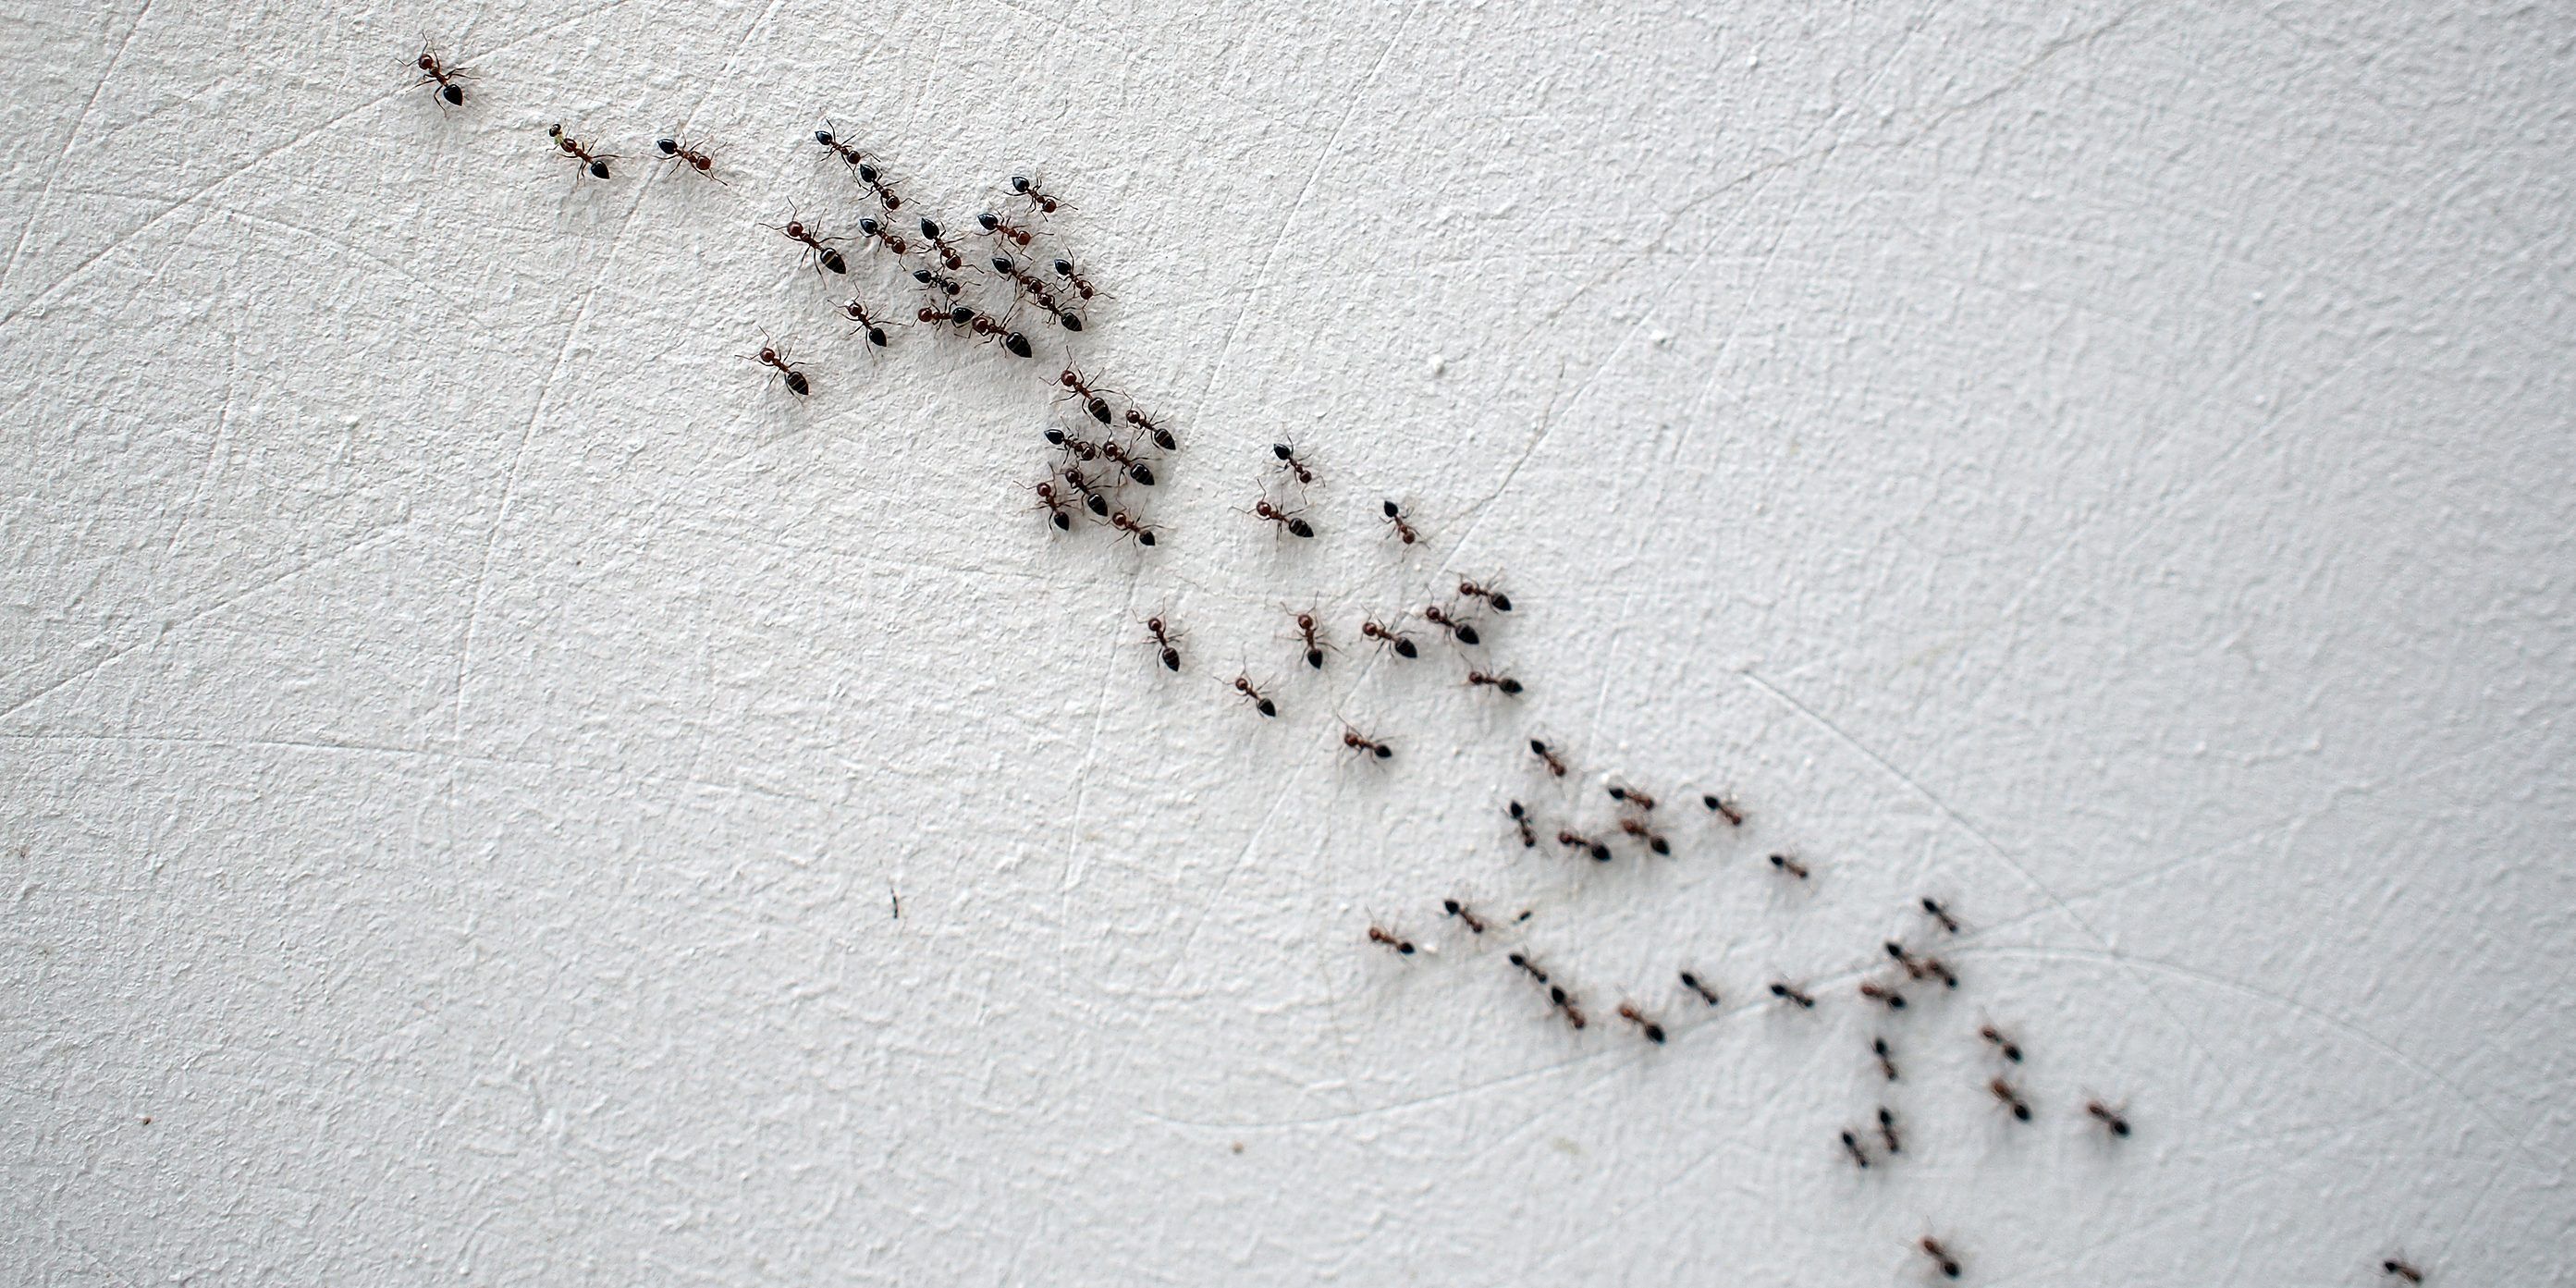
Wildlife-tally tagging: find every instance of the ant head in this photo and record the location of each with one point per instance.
(768, 354)
(1069, 378)
(929, 314)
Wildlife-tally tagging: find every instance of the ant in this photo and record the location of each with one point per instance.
(1004, 229)
(1521, 821)
(2111, 1119)
(435, 71)
(1162, 437)
(1053, 502)
(2010, 1049)
(860, 162)
(1288, 461)
(1036, 291)
(1379, 935)
(769, 356)
(1788, 992)
(1395, 519)
(1144, 535)
(1922, 968)
(1876, 992)
(1081, 285)
(1459, 910)
(1886, 1058)
(1120, 456)
(947, 254)
(594, 163)
(696, 158)
(1733, 817)
(1789, 865)
(1565, 1002)
(1357, 741)
(1887, 1131)
(1464, 632)
(1940, 914)
(1851, 1146)
(1073, 445)
(1092, 500)
(1554, 765)
(1315, 641)
(1502, 683)
(1654, 1032)
(2004, 1092)
(870, 228)
(1091, 400)
(2399, 1268)
(1162, 640)
(1012, 341)
(1243, 685)
(824, 254)
(1638, 829)
(1692, 982)
(1940, 1256)
(1577, 841)
(1630, 796)
(857, 313)
(1297, 526)
(940, 282)
(1528, 968)
(1022, 185)
(1403, 646)
(1502, 603)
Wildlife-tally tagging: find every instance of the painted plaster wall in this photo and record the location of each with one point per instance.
(462, 731)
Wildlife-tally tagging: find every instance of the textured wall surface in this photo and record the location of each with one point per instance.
(464, 732)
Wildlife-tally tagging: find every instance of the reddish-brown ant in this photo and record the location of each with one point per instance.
(1654, 1032)
(947, 254)
(770, 356)
(1573, 840)
(1081, 387)
(1053, 502)
(1940, 1256)
(1313, 634)
(1529, 968)
(2398, 1267)
(2111, 1119)
(1081, 285)
(1788, 992)
(1402, 645)
(2004, 1092)
(1692, 982)
(1638, 829)
(1463, 914)
(1565, 1002)
(1004, 229)
(2006, 1046)
(1521, 822)
(694, 157)
(860, 162)
(1161, 639)
(1142, 532)
(1882, 994)
(1288, 461)
(1036, 293)
(1502, 603)
(1022, 185)
(1940, 914)
(593, 164)
(1463, 632)
(880, 234)
(1499, 683)
(1630, 796)
(1395, 521)
(1073, 445)
(1125, 460)
(1886, 1058)
(1723, 810)
(1294, 524)
(817, 246)
(1789, 865)
(1921, 967)
(1092, 499)
(1887, 1131)
(1012, 342)
(1379, 935)
(1243, 685)
(435, 71)
(939, 282)
(1162, 437)
(1554, 765)
(863, 321)
(1357, 741)
(1851, 1146)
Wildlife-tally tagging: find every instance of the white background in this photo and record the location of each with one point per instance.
(465, 729)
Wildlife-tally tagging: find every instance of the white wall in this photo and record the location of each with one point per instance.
(464, 729)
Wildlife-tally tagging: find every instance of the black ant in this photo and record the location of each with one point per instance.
(1940, 914)
(1081, 285)
(1463, 632)
(1692, 982)
(1395, 520)
(825, 255)
(1851, 1146)
(1789, 865)
(1053, 502)
(1788, 992)
(1243, 685)
(1940, 1256)
(960, 315)
(696, 158)
(1380, 935)
(596, 164)
(1654, 1032)
(1577, 841)
(1004, 229)
(2112, 1120)
(1022, 185)
(1073, 445)
(1091, 400)
(1521, 821)
(1630, 796)
(769, 356)
(1921, 968)
(1887, 1131)
(1565, 1002)
(1529, 968)
(2399, 1268)
(1357, 741)
(1500, 683)
(1125, 460)
(1460, 911)
(863, 164)
(1886, 1058)
(1162, 641)
(1502, 603)
(1638, 829)
(1295, 525)
(1162, 437)
(1037, 293)
(862, 320)
(883, 236)
(1288, 461)
(1733, 817)
(1396, 640)
(435, 71)
(1554, 765)
(940, 282)
(2010, 1049)
(1092, 500)
(1144, 535)
(2004, 1092)
(1315, 641)
(947, 254)
(1880, 993)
